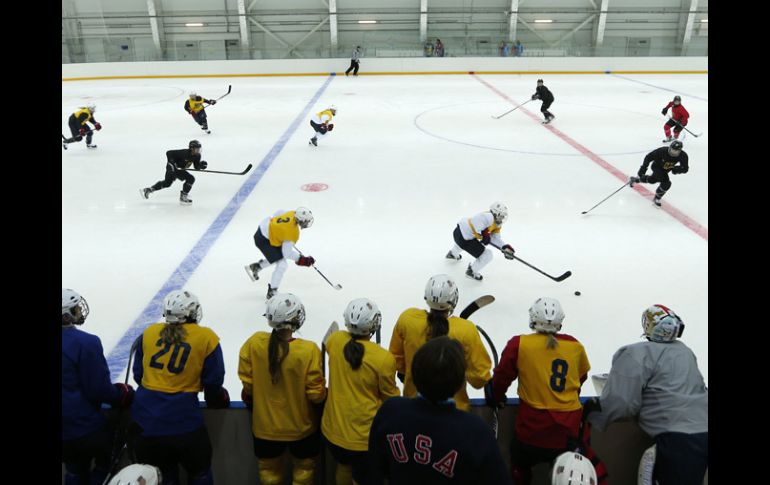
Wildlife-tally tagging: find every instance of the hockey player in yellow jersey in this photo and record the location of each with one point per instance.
(174, 362)
(194, 106)
(78, 123)
(322, 123)
(473, 234)
(275, 238)
(415, 327)
(362, 375)
(282, 381)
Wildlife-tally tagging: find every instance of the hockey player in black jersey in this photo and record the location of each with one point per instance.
(78, 123)
(542, 93)
(664, 160)
(176, 163)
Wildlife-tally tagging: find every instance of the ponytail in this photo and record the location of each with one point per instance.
(438, 323)
(277, 350)
(354, 353)
(173, 333)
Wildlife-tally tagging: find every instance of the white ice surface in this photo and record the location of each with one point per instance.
(409, 156)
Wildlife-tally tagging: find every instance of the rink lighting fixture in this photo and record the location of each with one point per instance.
(704, 21)
(194, 24)
(544, 21)
(367, 21)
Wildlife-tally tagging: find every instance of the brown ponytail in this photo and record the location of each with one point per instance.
(277, 350)
(354, 352)
(438, 323)
(173, 333)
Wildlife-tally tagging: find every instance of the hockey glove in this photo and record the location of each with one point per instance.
(641, 172)
(401, 376)
(486, 238)
(247, 399)
(213, 101)
(677, 170)
(217, 399)
(306, 261)
(534, 96)
(508, 251)
(330, 127)
(82, 131)
(203, 164)
(98, 126)
(126, 395)
(664, 111)
(591, 405)
(489, 396)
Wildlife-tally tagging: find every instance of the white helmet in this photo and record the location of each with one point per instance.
(304, 217)
(333, 108)
(572, 468)
(181, 306)
(660, 324)
(499, 211)
(193, 94)
(91, 108)
(137, 474)
(441, 292)
(546, 315)
(74, 308)
(285, 311)
(362, 317)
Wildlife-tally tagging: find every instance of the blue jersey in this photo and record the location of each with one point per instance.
(166, 402)
(85, 383)
(414, 442)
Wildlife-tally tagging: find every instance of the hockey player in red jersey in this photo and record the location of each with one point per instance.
(678, 120)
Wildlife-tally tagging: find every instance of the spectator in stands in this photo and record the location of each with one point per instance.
(282, 380)
(174, 361)
(85, 384)
(505, 49)
(415, 327)
(551, 368)
(439, 50)
(427, 440)
(658, 383)
(361, 376)
(519, 48)
(429, 49)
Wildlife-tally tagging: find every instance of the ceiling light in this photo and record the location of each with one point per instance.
(367, 21)
(194, 24)
(543, 21)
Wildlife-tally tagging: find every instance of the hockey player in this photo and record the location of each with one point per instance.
(428, 439)
(176, 163)
(416, 326)
(275, 238)
(658, 384)
(542, 93)
(473, 234)
(78, 123)
(664, 160)
(175, 361)
(282, 381)
(362, 375)
(678, 120)
(322, 123)
(551, 368)
(194, 106)
(85, 385)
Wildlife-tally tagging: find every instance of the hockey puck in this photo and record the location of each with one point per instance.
(577, 293)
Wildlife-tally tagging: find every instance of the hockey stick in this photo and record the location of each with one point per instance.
(229, 88)
(377, 336)
(495, 417)
(514, 109)
(684, 128)
(334, 327)
(563, 277)
(215, 171)
(336, 287)
(117, 456)
(597, 205)
(479, 302)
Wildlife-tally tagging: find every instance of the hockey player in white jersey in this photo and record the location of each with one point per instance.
(322, 123)
(473, 234)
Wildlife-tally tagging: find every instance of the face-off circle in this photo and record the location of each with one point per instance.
(314, 187)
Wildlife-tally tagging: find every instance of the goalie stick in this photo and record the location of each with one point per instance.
(215, 171)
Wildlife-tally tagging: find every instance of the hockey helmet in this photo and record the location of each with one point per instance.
(441, 292)
(74, 308)
(662, 325)
(546, 315)
(362, 317)
(285, 311)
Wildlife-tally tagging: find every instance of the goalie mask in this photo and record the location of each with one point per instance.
(362, 317)
(74, 308)
(285, 312)
(441, 293)
(181, 306)
(546, 315)
(660, 324)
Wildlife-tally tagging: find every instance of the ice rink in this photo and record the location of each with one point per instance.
(408, 158)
